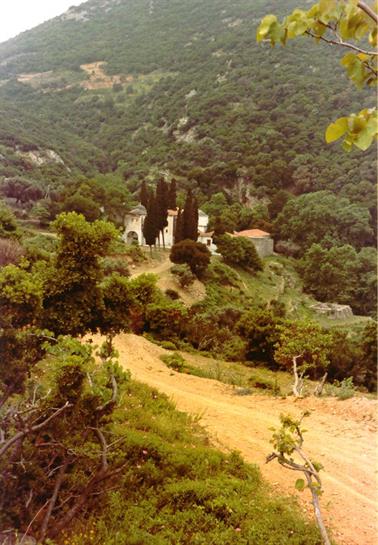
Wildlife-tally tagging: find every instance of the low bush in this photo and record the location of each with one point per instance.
(184, 275)
(168, 345)
(172, 294)
(195, 254)
(222, 274)
(165, 318)
(342, 390)
(174, 361)
(117, 264)
(239, 251)
(262, 383)
(10, 252)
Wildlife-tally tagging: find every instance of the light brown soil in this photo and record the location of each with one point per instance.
(190, 295)
(98, 79)
(341, 435)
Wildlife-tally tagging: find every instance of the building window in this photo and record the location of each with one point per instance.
(208, 242)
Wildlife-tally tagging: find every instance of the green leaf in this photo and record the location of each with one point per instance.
(336, 130)
(265, 26)
(300, 485)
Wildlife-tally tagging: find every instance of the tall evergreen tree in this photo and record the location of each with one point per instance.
(150, 226)
(194, 219)
(190, 218)
(172, 195)
(144, 196)
(162, 207)
(178, 228)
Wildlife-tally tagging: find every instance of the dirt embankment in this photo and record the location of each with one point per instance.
(341, 435)
(190, 295)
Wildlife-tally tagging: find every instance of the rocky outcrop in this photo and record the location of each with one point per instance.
(41, 157)
(333, 310)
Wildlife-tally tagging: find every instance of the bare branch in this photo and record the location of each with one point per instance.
(52, 501)
(341, 43)
(104, 448)
(31, 522)
(31, 429)
(368, 10)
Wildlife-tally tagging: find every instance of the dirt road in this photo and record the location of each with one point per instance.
(342, 436)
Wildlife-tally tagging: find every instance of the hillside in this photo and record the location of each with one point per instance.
(341, 435)
(141, 87)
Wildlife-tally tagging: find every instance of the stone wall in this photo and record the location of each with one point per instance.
(333, 310)
(263, 245)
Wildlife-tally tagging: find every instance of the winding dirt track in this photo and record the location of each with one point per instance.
(342, 436)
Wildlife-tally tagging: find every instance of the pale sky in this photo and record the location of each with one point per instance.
(19, 15)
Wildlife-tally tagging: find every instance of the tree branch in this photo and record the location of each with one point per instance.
(31, 429)
(368, 10)
(341, 43)
(54, 497)
(104, 447)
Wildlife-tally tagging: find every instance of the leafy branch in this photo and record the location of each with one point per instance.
(342, 24)
(288, 441)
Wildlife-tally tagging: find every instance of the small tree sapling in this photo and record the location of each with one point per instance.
(287, 443)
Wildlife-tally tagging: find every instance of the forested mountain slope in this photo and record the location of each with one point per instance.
(185, 88)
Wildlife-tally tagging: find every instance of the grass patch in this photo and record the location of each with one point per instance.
(176, 490)
(258, 379)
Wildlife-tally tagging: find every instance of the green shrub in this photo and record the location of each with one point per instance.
(239, 251)
(174, 361)
(222, 274)
(168, 345)
(172, 294)
(165, 318)
(115, 264)
(194, 254)
(344, 389)
(262, 383)
(184, 275)
(234, 349)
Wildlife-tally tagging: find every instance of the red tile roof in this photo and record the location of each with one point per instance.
(252, 233)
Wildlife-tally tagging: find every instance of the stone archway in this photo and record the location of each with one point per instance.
(132, 238)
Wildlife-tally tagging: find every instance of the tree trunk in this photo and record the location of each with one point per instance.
(317, 512)
(319, 387)
(298, 379)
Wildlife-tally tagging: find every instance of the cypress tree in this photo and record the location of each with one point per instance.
(190, 218)
(162, 207)
(186, 216)
(143, 196)
(194, 219)
(179, 227)
(172, 195)
(150, 227)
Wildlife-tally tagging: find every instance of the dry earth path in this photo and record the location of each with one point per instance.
(341, 435)
(190, 295)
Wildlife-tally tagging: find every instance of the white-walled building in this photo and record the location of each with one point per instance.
(134, 221)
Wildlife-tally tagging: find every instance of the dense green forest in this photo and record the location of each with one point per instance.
(121, 99)
(186, 93)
